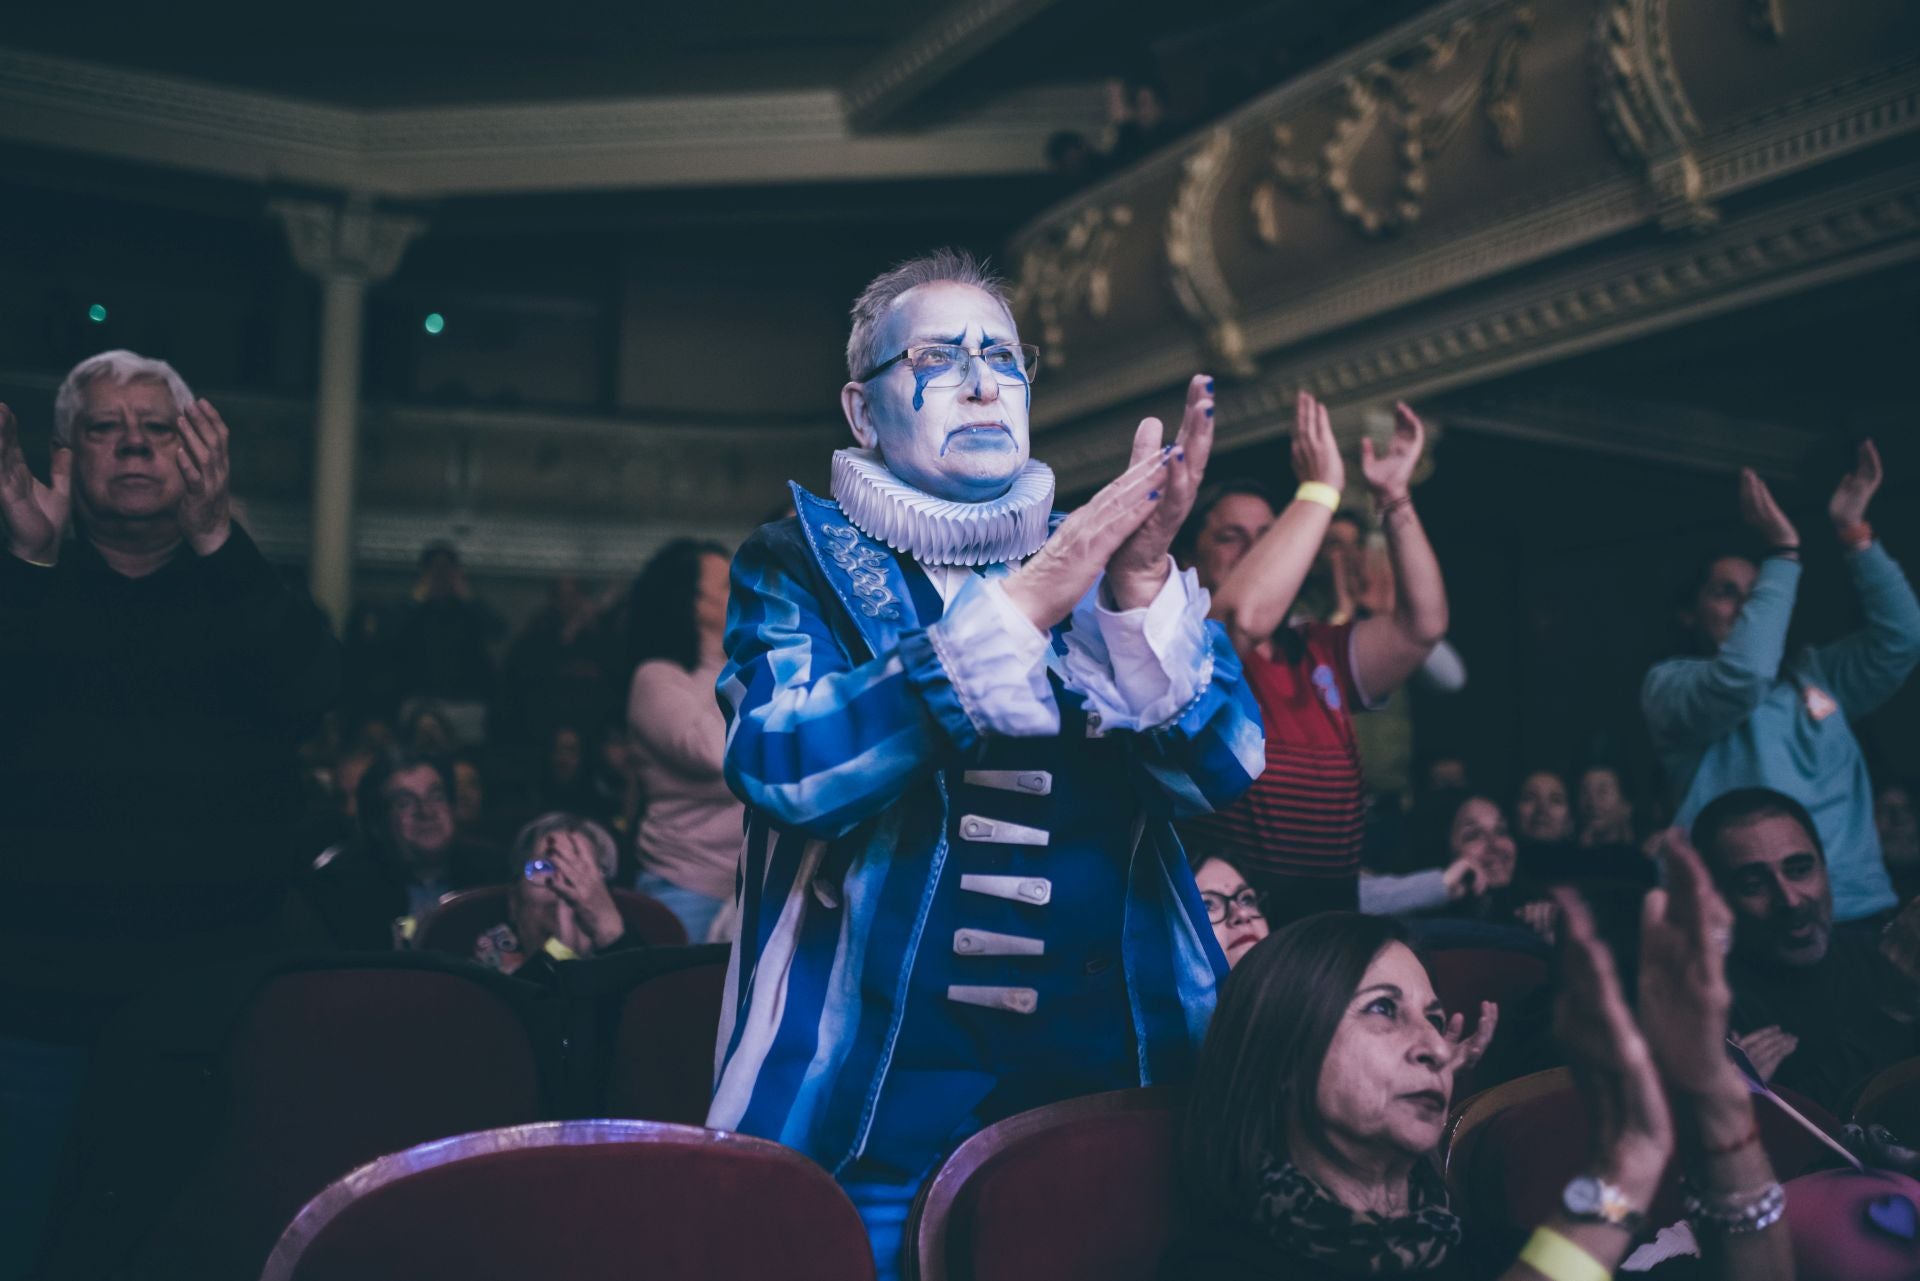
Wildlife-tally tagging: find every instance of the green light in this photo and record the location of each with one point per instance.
(97, 314)
(435, 322)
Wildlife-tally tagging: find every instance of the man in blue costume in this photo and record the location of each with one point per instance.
(962, 729)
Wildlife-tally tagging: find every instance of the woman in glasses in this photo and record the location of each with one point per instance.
(1233, 907)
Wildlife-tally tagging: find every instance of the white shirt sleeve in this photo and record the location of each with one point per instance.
(1139, 669)
(996, 659)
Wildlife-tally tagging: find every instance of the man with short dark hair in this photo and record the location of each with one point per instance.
(1817, 1010)
(370, 892)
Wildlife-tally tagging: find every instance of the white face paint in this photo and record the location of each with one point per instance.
(965, 443)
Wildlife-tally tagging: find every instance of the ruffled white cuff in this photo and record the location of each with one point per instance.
(996, 659)
(1139, 669)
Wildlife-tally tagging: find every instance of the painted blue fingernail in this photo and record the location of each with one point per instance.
(1182, 455)
(1153, 493)
(1209, 386)
(1209, 411)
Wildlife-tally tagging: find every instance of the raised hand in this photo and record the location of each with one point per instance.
(1138, 569)
(1767, 1048)
(1054, 580)
(576, 879)
(1763, 514)
(1612, 1066)
(1848, 506)
(33, 517)
(206, 510)
(1316, 454)
(1390, 475)
(1468, 1050)
(1685, 931)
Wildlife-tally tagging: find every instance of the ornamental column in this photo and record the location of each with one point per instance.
(347, 247)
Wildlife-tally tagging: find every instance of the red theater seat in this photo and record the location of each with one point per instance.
(1076, 1191)
(325, 1069)
(458, 920)
(584, 1201)
(663, 1047)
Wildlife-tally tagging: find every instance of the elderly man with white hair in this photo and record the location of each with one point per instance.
(962, 726)
(156, 677)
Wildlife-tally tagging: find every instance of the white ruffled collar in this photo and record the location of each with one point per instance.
(940, 531)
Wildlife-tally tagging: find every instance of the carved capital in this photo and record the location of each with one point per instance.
(352, 239)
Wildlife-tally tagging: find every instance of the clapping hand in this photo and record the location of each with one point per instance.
(1848, 506)
(1685, 931)
(577, 880)
(1086, 544)
(1467, 1050)
(1763, 514)
(205, 509)
(33, 517)
(1137, 571)
(1316, 454)
(1390, 475)
(1611, 1063)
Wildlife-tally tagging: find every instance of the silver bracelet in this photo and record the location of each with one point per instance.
(1754, 1213)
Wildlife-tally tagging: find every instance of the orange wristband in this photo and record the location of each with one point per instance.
(1855, 536)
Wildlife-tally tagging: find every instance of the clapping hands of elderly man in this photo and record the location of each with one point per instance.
(206, 508)
(33, 516)
(1126, 528)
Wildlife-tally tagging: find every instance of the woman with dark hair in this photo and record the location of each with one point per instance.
(1323, 1088)
(688, 840)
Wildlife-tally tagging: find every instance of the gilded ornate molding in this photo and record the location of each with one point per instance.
(1194, 269)
(926, 56)
(1646, 111)
(1861, 228)
(1414, 106)
(345, 239)
(1068, 271)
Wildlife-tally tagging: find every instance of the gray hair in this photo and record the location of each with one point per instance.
(526, 845)
(119, 368)
(878, 298)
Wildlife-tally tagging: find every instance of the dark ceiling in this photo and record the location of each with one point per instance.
(362, 53)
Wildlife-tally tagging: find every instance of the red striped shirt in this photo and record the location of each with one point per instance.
(1304, 815)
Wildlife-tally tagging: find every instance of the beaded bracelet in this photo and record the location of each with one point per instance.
(1754, 1212)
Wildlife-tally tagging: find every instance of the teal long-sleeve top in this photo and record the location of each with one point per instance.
(1745, 718)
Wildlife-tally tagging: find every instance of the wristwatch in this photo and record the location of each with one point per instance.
(1592, 1200)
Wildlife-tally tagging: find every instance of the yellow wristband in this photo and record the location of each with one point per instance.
(1558, 1259)
(1318, 491)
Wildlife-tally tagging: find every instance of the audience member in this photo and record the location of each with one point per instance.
(1603, 813)
(558, 905)
(1894, 822)
(688, 841)
(439, 645)
(1233, 906)
(157, 677)
(1541, 814)
(560, 670)
(1323, 1087)
(370, 892)
(1817, 1009)
(1741, 714)
(951, 910)
(1302, 824)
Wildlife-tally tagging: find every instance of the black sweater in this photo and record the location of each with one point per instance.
(148, 775)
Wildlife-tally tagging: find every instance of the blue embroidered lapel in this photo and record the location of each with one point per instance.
(864, 574)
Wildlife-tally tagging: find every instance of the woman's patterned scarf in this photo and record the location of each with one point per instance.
(1304, 1220)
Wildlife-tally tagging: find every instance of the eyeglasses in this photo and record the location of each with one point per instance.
(1248, 902)
(406, 804)
(947, 365)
